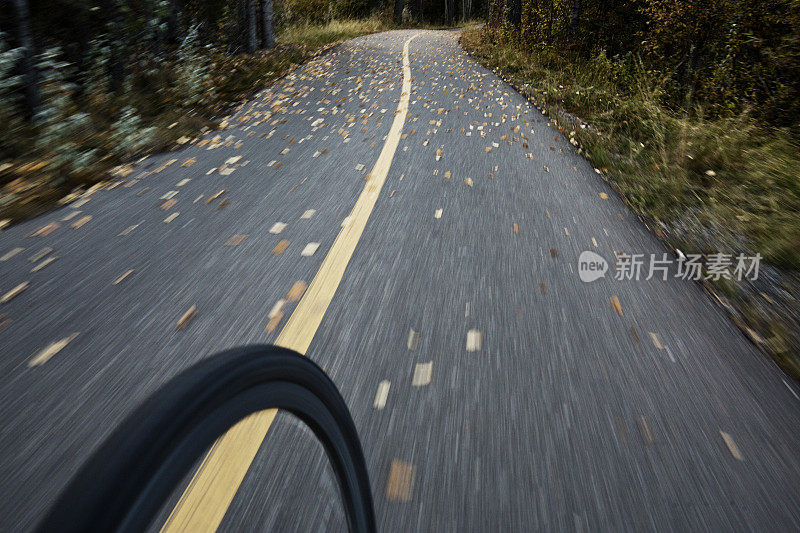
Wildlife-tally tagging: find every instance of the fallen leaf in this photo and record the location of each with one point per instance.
(413, 339)
(296, 292)
(128, 230)
(310, 249)
(381, 395)
(732, 447)
(236, 240)
(122, 277)
(215, 196)
(187, 317)
(45, 355)
(43, 264)
(422, 374)
(401, 481)
(280, 247)
(46, 230)
(474, 340)
(11, 253)
(14, 292)
(616, 305)
(273, 322)
(647, 435)
(40, 254)
(656, 340)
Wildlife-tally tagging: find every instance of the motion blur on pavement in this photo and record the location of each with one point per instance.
(548, 253)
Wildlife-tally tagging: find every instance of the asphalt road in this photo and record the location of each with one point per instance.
(539, 403)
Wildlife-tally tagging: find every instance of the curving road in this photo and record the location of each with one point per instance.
(441, 226)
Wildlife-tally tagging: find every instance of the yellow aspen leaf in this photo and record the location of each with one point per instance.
(296, 292)
(280, 247)
(616, 305)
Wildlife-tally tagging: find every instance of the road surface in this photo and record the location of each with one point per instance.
(492, 388)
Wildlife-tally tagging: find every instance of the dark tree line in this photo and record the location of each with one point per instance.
(128, 30)
(731, 54)
(131, 33)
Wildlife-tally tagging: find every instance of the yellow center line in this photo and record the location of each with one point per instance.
(206, 500)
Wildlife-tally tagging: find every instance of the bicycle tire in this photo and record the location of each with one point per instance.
(128, 479)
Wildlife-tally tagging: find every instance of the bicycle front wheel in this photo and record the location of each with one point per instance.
(126, 481)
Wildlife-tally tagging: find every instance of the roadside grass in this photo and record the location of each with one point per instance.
(709, 185)
(164, 105)
(335, 30)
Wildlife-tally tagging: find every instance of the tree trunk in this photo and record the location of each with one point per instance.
(266, 17)
(156, 39)
(32, 96)
(448, 11)
(574, 17)
(420, 10)
(250, 14)
(116, 44)
(174, 21)
(398, 11)
(514, 12)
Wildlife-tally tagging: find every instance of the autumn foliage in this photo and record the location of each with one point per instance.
(728, 56)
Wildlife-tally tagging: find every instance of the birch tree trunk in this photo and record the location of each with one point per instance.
(268, 40)
(32, 96)
(250, 12)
